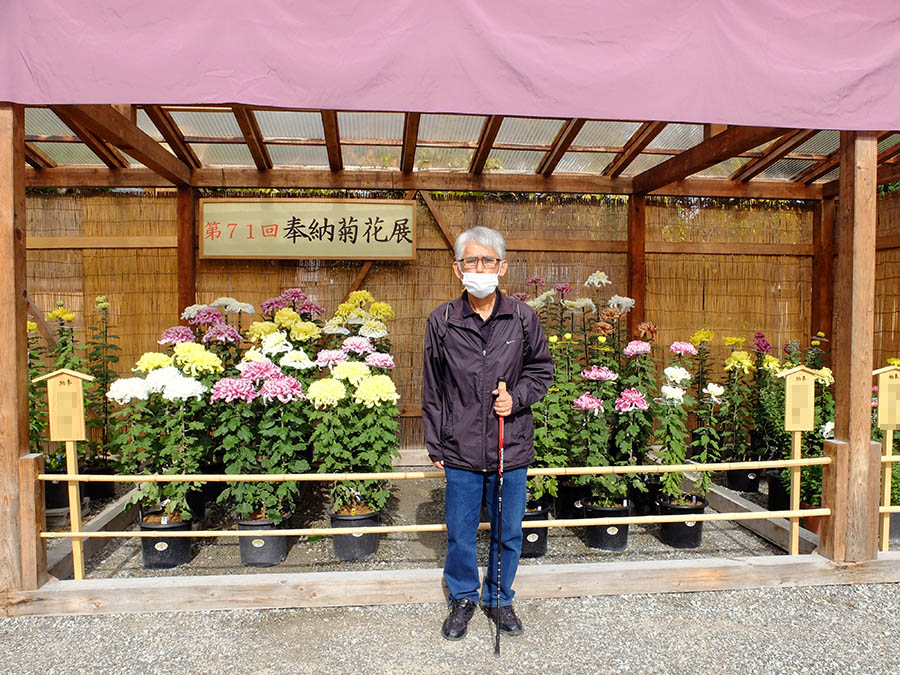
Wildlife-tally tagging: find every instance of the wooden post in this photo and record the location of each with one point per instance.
(832, 533)
(32, 521)
(187, 270)
(636, 263)
(853, 343)
(822, 314)
(886, 477)
(796, 446)
(75, 509)
(13, 339)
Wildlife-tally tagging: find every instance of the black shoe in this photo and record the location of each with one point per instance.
(509, 622)
(457, 623)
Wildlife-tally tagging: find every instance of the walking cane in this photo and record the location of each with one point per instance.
(501, 388)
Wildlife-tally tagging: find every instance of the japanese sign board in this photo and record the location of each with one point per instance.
(65, 404)
(888, 397)
(319, 229)
(799, 398)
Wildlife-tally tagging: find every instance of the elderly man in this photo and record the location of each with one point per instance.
(471, 343)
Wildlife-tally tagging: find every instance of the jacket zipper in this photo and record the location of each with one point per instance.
(485, 406)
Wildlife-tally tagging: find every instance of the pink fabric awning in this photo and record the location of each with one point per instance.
(831, 64)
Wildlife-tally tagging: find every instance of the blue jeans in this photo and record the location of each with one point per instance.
(463, 511)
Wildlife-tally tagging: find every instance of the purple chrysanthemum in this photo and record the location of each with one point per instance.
(259, 370)
(293, 296)
(535, 281)
(311, 307)
(760, 344)
(206, 316)
(272, 305)
(283, 387)
(233, 389)
(562, 289)
(222, 332)
(176, 335)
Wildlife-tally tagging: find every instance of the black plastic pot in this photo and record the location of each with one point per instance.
(349, 547)
(644, 503)
(534, 539)
(743, 480)
(162, 553)
(895, 527)
(569, 501)
(681, 535)
(196, 501)
(99, 490)
(262, 551)
(56, 494)
(606, 537)
(779, 498)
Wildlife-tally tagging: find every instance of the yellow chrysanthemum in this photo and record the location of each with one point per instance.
(893, 361)
(194, 359)
(30, 325)
(326, 392)
(601, 339)
(151, 361)
(771, 364)
(376, 390)
(360, 298)
(61, 313)
(258, 329)
(553, 339)
(381, 310)
(254, 354)
(302, 331)
(734, 342)
(739, 360)
(343, 310)
(185, 351)
(702, 336)
(825, 376)
(352, 371)
(286, 317)
(567, 336)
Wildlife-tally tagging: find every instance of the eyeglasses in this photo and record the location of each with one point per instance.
(487, 262)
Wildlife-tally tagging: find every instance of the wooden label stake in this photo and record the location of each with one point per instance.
(888, 421)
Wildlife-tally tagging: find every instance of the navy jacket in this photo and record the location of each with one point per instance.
(460, 372)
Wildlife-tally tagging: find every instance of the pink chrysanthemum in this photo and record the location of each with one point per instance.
(631, 399)
(637, 347)
(293, 296)
(310, 307)
(588, 403)
(379, 360)
(272, 305)
(357, 345)
(562, 289)
(233, 389)
(283, 387)
(599, 374)
(259, 370)
(206, 316)
(535, 281)
(222, 332)
(520, 296)
(176, 335)
(683, 349)
(330, 357)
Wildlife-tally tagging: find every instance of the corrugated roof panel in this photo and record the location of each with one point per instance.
(723, 169)
(369, 125)
(783, 169)
(44, 122)
(371, 156)
(223, 154)
(146, 125)
(68, 153)
(290, 124)
(678, 137)
(513, 160)
(210, 124)
(605, 133)
(298, 155)
(584, 162)
(823, 143)
(889, 142)
(528, 131)
(643, 162)
(446, 159)
(831, 175)
(450, 128)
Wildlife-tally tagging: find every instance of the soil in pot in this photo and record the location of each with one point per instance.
(606, 537)
(349, 547)
(742, 480)
(779, 498)
(534, 539)
(681, 535)
(569, 501)
(161, 553)
(262, 551)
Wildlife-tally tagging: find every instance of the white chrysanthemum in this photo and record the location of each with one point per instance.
(253, 354)
(676, 374)
(581, 303)
(275, 343)
(358, 316)
(541, 300)
(827, 430)
(242, 308)
(183, 388)
(298, 359)
(224, 301)
(671, 393)
(714, 391)
(159, 379)
(335, 326)
(373, 329)
(126, 389)
(598, 279)
(191, 311)
(621, 303)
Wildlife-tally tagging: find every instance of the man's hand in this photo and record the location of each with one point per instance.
(438, 465)
(503, 403)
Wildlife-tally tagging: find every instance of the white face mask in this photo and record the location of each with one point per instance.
(480, 284)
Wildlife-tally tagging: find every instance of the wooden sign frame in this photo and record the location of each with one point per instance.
(888, 397)
(799, 398)
(65, 404)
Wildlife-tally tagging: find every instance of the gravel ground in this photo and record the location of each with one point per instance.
(827, 629)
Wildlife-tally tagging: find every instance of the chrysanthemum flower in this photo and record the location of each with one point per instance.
(330, 358)
(598, 279)
(360, 298)
(373, 329)
(357, 345)
(379, 360)
(286, 317)
(275, 343)
(326, 392)
(381, 311)
(676, 374)
(621, 303)
(352, 371)
(303, 331)
(222, 332)
(233, 389)
(206, 316)
(176, 335)
(375, 390)
(259, 370)
(298, 359)
(739, 360)
(702, 336)
(311, 308)
(631, 399)
(599, 374)
(588, 403)
(283, 387)
(126, 389)
(271, 305)
(683, 349)
(293, 295)
(637, 347)
(258, 329)
(151, 361)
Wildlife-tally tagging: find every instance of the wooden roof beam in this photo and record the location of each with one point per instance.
(170, 131)
(775, 152)
(639, 140)
(729, 143)
(253, 136)
(888, 153)
(561, 144)
(37, 159)
(410, 138)
(485, 142)
(107, 154)
(332, 140)
(111, 126)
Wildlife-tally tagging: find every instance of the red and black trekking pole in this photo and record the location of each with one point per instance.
(501, 389)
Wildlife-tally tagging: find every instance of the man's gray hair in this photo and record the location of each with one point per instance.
(480, 235)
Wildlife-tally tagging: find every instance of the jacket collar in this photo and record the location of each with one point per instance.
(460, 308)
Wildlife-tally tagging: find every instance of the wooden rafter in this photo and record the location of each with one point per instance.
(819, 169)
(252, 136)
(889, 153)
(106, 152)
(638, 141)
(410, 136)
(332, 139)
(564, 139)
(703, 155)
(37, 159)
(170, 131)
(113, 127)
(784, 145)
(485, 142)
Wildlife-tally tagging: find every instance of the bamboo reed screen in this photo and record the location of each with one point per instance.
(727, 294)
